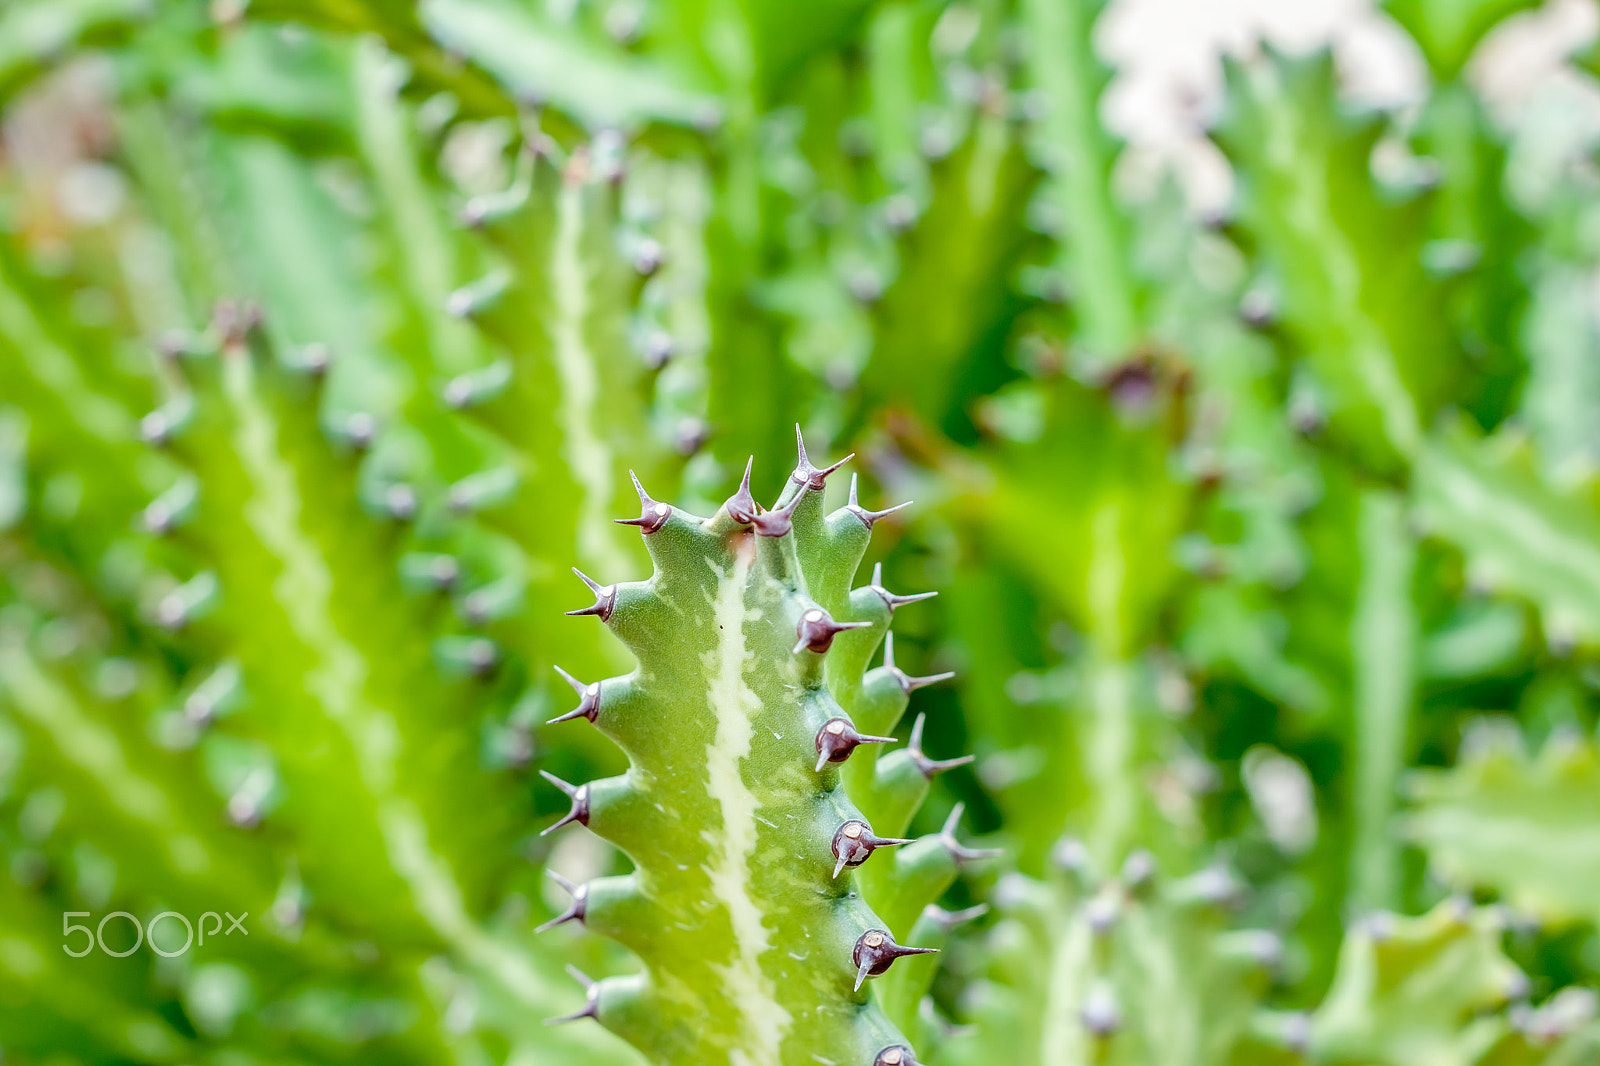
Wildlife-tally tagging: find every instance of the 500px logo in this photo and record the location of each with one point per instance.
(97, 937)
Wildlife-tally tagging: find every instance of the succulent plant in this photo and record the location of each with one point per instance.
(749, 724)
(329, 331)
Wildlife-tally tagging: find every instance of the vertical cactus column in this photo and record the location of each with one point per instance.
(750, 647)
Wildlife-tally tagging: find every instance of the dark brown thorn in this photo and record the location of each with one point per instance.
(855, 842)
(578, 908)
(741, 506)
(919, 758)
(907, 683)
(778, 521)
(591, 999)
(957, 850)
(876, 951)
(605, 597)
(816, 630)
(897, 1055)
(580, 803)
(869, 518)
(805, 473)
(891, 600)
(652, 513)
(948, 920)
(838, 738)
(588, 699)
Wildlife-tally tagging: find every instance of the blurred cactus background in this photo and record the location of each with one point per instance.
(1257, 478)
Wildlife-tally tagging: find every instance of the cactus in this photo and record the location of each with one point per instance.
(752, 686)
(329, 331)
(1505, 820)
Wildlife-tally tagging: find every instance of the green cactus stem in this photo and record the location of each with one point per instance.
(749, 693)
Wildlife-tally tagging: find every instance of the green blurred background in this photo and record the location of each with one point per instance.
(1254, 463)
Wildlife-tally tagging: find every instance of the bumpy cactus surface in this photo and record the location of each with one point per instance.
(752, 693)
(1265, 534)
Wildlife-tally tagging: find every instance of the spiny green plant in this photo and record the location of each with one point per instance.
(752, 686)
(196, 619)
(1297, 490)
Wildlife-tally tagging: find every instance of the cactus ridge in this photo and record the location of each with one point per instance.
(751, 647)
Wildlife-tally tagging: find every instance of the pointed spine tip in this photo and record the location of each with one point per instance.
(959, 852)
(588, 699)
(605, 598)
(591, 999)
(653, 514)
(908, 684)
(805, 473)
(576, 911)
(948, 920)
(741, 506)
(919, 758)
(892, 600)
(579, 794)
(870, 518)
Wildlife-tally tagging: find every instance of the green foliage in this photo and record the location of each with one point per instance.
(331, 331)
(1514, 822)
(750, 644)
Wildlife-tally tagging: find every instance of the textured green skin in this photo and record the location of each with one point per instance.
(733, 907)
(337, 659)
(1314, 609)
(1513, 821)
(1179, 987)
